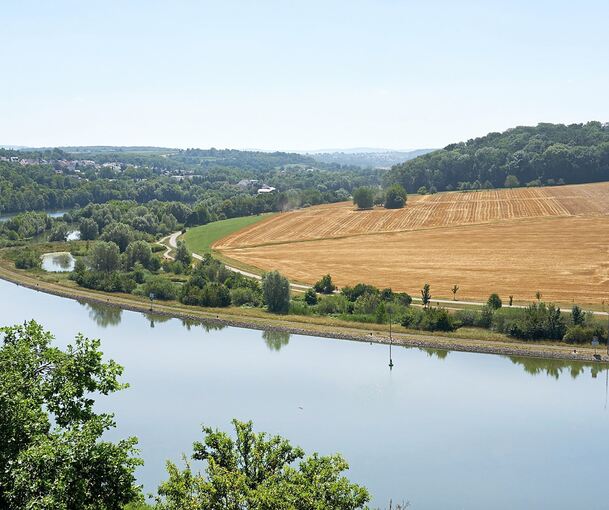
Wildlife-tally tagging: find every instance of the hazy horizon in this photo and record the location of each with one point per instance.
(302, 77)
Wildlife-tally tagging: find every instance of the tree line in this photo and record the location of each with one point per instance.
(546, 154)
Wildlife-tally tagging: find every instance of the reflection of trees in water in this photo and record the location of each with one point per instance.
(207, 326)
(276, 340)
(555, 368)
(63, 260)
(104, 315)
(154, 318)
(438, 353)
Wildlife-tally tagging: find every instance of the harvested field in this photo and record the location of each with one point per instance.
(514, 242)
(429, 211)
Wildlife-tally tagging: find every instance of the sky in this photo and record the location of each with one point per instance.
(286, 75)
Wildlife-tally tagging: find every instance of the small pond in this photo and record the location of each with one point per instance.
(58, 262)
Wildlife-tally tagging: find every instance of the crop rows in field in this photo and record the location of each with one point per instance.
(422, 212)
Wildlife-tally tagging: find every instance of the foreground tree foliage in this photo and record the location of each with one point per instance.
(51, 452)
(254, 471)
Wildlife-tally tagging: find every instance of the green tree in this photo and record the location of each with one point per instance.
(395, 197)
(27, 259)
(51, 448)
(363, 198)
(119, 233)
(494, 301)
(253, 471)
(59, 232)
(425, 295)
(578, 316)
(162, 288)
(276, 292)
(182, 254)
(104, 257)
(138, 251)
(88, 229)
(310, 297)
(325, 285)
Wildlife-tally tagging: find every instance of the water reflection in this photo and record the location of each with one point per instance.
(436, 353)
(556, 368)
(103, 315)
(276, 340)
(58, 262)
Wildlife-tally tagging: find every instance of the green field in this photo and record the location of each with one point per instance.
(200, 239)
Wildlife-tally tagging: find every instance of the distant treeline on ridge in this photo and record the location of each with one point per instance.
(525, 155)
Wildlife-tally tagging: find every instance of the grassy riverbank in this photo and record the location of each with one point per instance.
(466, 339)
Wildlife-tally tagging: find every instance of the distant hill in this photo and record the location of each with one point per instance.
(363, 157)
(545, 154)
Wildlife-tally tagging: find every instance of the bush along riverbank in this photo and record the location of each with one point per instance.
(209, 291)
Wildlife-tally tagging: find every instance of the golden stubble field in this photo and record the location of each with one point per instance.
(514, 242)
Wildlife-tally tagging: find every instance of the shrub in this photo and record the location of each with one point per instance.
(161, 287)
(467, 317)
(215, 295)
(366, 303)
(494, 301)
(402, 298)
(485, 317)
(331, 305)
(244, 296)
(428, 319)
(310, 297)
(579, 334)
(352, 293)
(300, 308)
(27, 259)
(537, 321)
(325, 285)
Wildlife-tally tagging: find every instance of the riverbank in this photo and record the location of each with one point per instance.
(311, 326)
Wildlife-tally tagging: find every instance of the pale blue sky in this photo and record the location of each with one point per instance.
(296, 75)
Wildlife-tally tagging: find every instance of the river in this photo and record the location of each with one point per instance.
(441, 430)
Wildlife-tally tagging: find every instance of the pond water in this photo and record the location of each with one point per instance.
(58, 262)
(441, 430)
(52, 214)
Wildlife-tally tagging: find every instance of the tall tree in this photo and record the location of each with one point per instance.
(426, 295)
(276, 292)
(51, 448)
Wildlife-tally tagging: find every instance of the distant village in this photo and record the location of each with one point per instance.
(77, 166)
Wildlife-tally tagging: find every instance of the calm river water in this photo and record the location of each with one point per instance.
(442, 430)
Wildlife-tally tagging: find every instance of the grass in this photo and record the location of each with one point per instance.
(200, 239)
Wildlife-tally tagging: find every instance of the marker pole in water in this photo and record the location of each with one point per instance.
(390, 342)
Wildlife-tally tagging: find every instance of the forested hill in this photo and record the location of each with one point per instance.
(525, 155)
